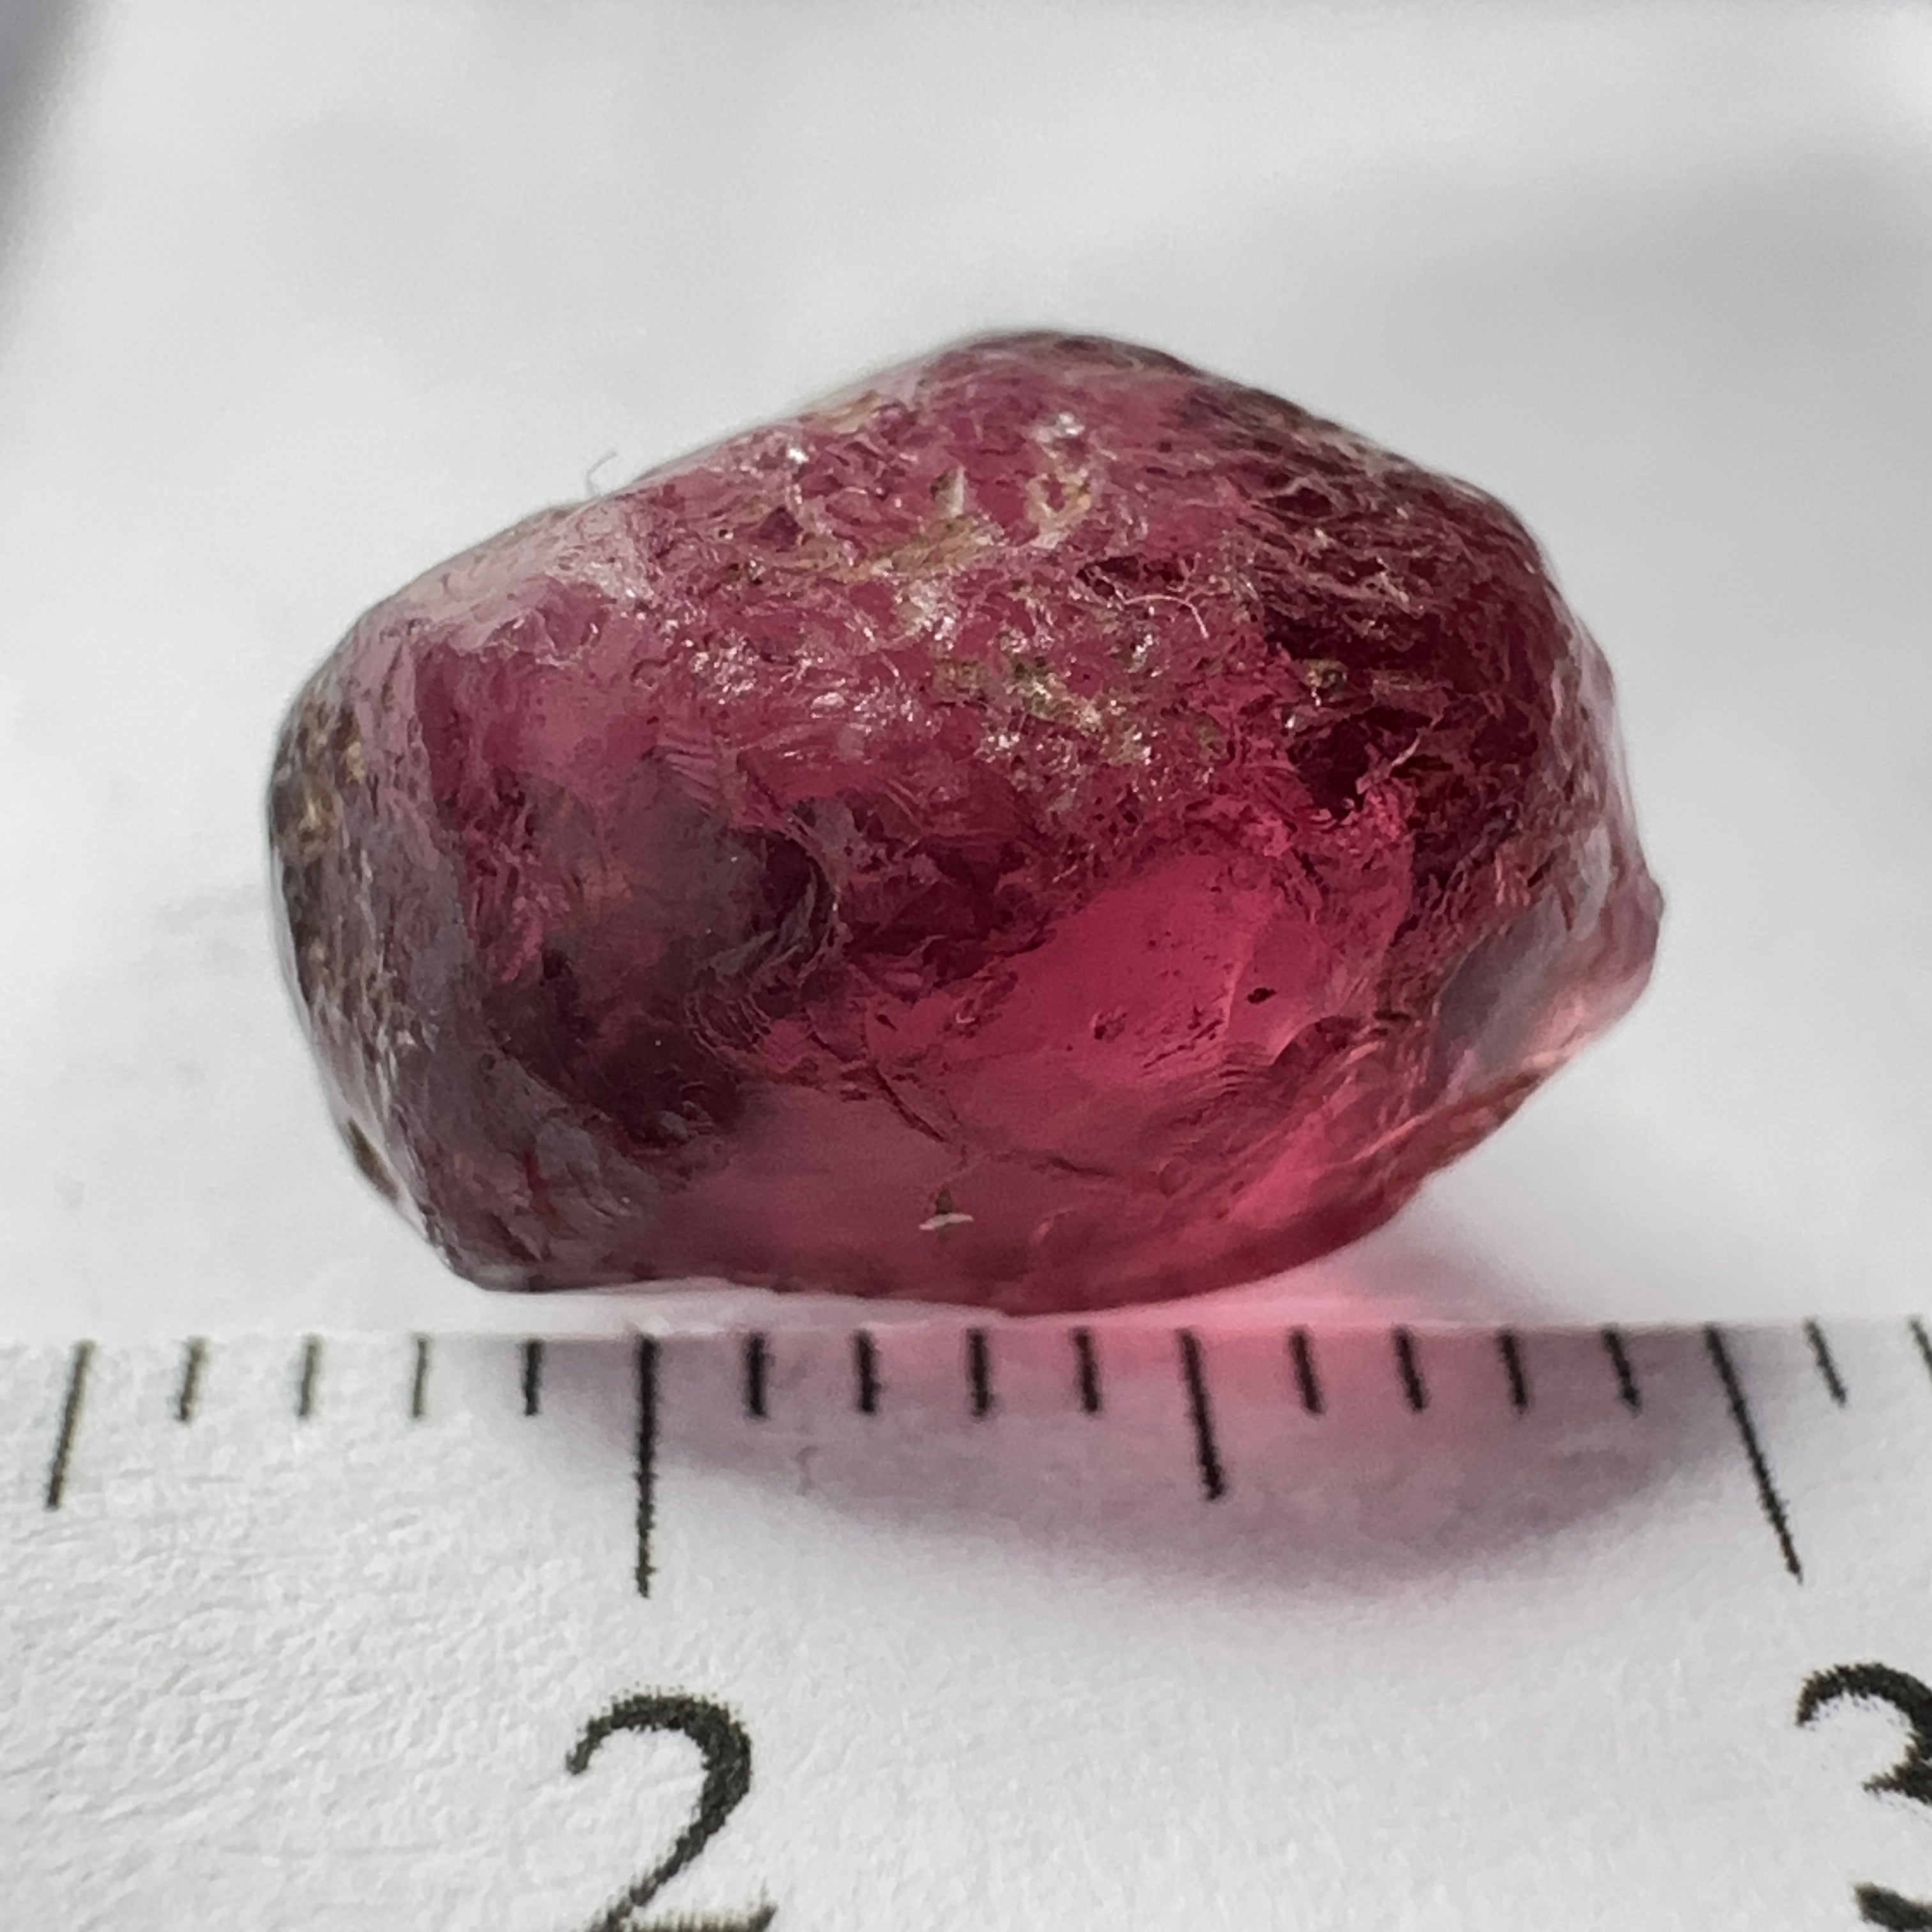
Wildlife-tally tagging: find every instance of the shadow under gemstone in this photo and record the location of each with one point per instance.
(1348, 1462)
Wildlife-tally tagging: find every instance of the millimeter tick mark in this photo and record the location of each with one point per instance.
(1413, 1390)
(1510, 1347)
(1087, 1362)
(979, 1370)
(1207, 1453)
(419, 1381)
(757, 1364)
(1769, 1501)
(1828, 1369)
(307, 1377)
(187, 1390)
(647, 1456)
(1301, 1348)
(78, 1364)
(866, 1371)
(1924, 1342)
(533, 1359)
(1628, 1394)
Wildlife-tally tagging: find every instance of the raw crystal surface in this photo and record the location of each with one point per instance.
(1047, 828)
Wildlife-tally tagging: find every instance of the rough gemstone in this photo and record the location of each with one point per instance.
(1047, 828)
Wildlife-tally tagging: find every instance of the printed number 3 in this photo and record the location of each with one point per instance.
(1911, 1776)
(726, 1750)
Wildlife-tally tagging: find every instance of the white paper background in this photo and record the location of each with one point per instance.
(298, 297)
(1462, 1671)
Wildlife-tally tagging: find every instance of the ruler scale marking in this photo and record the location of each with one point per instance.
(1201, 1415)
(1087, 1360)
(865, 1372)
(1628, 1392)
(78, 1362)
(187, 1390)
(1509, 1345)
(1307, 1380)
(1769, 1501)
(307, 1374)
(647, 1368)
(757, 1365)
(1823, 1360)
(1408, 1366)
(979, 1371)
(1330, 1497)
(1922, 1342)
(419, 1378)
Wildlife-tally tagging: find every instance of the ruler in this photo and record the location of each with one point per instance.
(951, 1627)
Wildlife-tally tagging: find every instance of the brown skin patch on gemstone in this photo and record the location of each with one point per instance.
(369, 1163)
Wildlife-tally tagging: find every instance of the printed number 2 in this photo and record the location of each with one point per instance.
(726, 1751)
(1911, 1776)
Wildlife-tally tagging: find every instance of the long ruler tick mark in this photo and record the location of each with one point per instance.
(979, 1370)
(1307, 1381)
(78, 1365)
(1769, 1501)
(1414, 1391)
(1087, 1363)
(1828, 1369)
(187, 1390)
(758, 1364)
(1628, 1394)
(1207, 1452)
(307, 1377)
(533, 1361)
(1509, 1345)
(647, 1456)
(866, 1371)
(419, 1381)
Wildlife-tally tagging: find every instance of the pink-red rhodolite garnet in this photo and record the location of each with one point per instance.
(1047, 828)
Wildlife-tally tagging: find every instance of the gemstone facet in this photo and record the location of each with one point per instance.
(1047, 828)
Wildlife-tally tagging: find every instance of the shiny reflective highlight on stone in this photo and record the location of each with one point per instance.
(1046, 829)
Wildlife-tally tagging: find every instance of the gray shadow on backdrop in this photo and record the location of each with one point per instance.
(1427, 1455)
(33, 37)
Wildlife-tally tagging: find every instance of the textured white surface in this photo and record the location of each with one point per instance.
(300, 298)
(1464, 1670)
